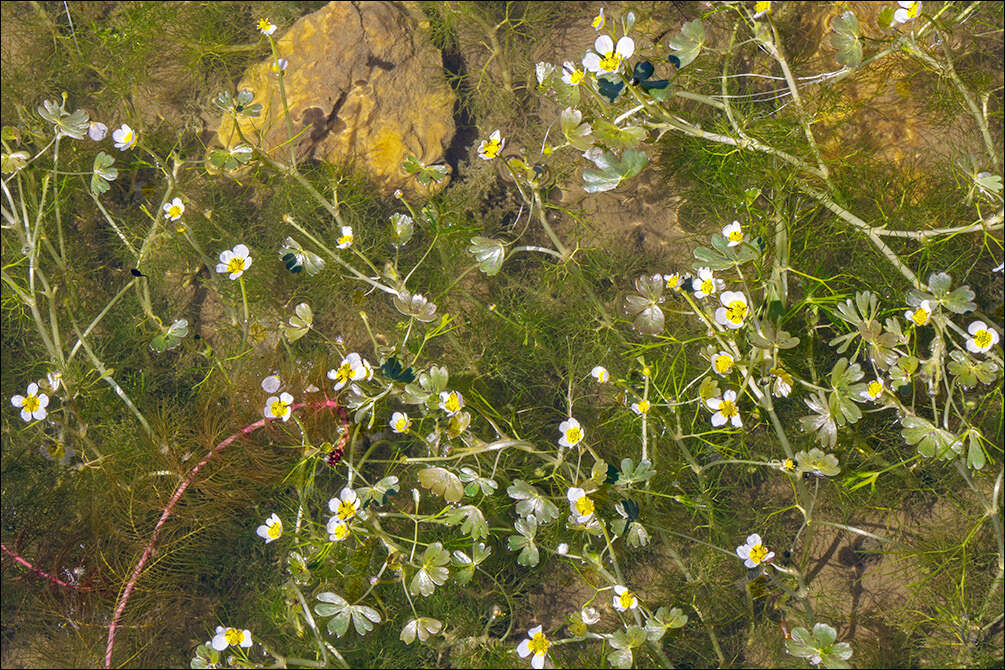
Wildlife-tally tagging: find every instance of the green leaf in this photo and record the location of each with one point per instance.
(968, 371)
(103, 173)
(532, 503)
(300, 323)
(847, 40)
(524, 542)
(688, 43)
(171, 337)
(932, 442)
(363, 618)
(442, 482)
(975, 451)
(576, 133)
(472, 521)
(432, 573)
(422, 627)
(489, 253)
(611, 170)
(618, 138)
(632, 474)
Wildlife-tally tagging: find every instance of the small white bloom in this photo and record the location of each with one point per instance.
(1000, 268)
(580, 504)
(279, 65)
(605, 58)
(705, 284)
(279, 408)
(722, 363)
(338, 529)
(346, 505)
(271, 384)
(266, 27)
(54, 379)
(345, 239)
(908, 11)
(226, 637)
(782, 386)
(733, 233)
(271, 530)
(234, 261)
(562, 549)
(352, 368)
(491, 147)
(572, 75)
(982, 338)
(874, 390)
(589, 615)
(624, 599)
(124, 138)
(400, 423)
(174, 209)
(601, 374)
(641, 407)
(96, 130)
(33, 405)
(725, 409)
(920, 315)
(536, 644)
(599, 20)
(572, 433)
(734, 309)
(675, 281)
(753, 552)
(451, 402)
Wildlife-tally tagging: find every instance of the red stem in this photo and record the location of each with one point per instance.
(131, 584)
(55, 580)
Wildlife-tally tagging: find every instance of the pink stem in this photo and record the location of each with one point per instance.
(55, 580)
(131, 584)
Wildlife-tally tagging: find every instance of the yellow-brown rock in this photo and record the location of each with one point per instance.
(363, 83)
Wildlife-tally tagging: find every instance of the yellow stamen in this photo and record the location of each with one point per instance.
(584, 506)
(626, 599)
(31, 404)
(728, 409)
(234, 636)
(574, 435)
(235, 265)
(736, 311)
(758, 552)
(274, 530)
(278, 408)
(920, 316)
(539, 644)
(610, 61)
(346, 510)
(982, 338)
(723, 364)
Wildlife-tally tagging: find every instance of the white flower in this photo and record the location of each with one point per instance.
(54, 379)
(580, 504)
(733, 233)
(705, 284)
(33, 405)
(920, 315)
(599, 20)
(1000, 268)
(782, 386)
(734, 309)
(624, 599)
(352, 368)
(641, 407)
(873, 390)
(605, 57)
(753, 552)
(338, 529)
(982, 338)
(345, 239)
(279, 65)
(226, 637)
(562, 549)
(96, 130)
(451, 402)
(601, 374)
(400, 423)
(572, 433)
(725, 409)
(572, 75)
(675, 281)
(271, 530)
(174, 209)
(124, 138)
(271, 384)
(279, 408)
(536, 644)
(346, 505)
(589, 615)
(722, 363)
(908, 11)
(266, 27)
(234, 261)
(491, 147)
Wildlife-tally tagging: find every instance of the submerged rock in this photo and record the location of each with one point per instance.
(364, 83)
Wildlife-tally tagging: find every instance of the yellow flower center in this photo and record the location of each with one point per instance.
(626, 599)
(673, 281)
(576, 76)
(31, 404)
(982, 338)
(234, 636)
(762, 6)
(174, 212)
(598, 21)
(584, 506)
(723, 364)
(736, 311)
(453, 404)
(341, 531)
(401, 425)
(920, 316)
(736, 236)
(274, 530)
(708, 286)
(345, 239)
(263, 24)
(758, 552)
(728, 409)
(344, 373)
(644, 406)
(914, 10)
(789, 465)
(610, 61)
(491, 148)
(276, 67)
(574, 435)
(346, 510)
(235, 264)
(278, 408)
(128, 138)
(646, 371)
(875, 388)
(539, 644)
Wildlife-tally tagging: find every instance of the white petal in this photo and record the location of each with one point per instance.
(737, 421)
(39, 414)
(753, 539)
(591, 62)
(220, 267)
(713, 403)
(972, 347)
(241, 251)
(226, 255)
(247, 262)
(17, 400)
(626, 46)
(972, 329)
(246, 642)
(26, 415)
(286, 398)
(537, 662)
(43, 400)
(534, 631)
(718, 419)
(523, 648)
(604, 44)
(263, 532)
(220, 642)
(729, 395)
(33, 387)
